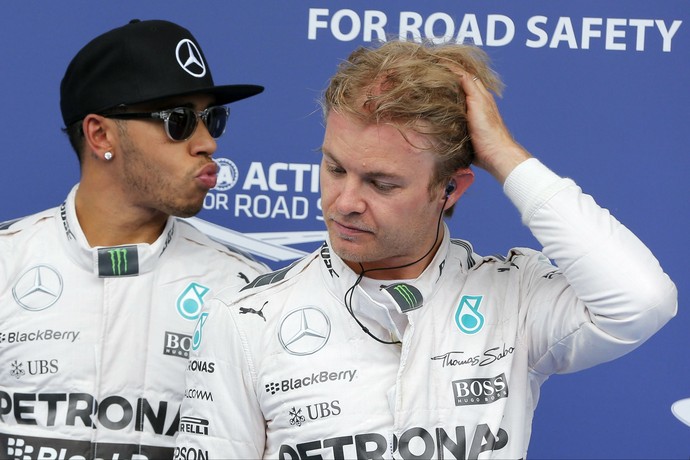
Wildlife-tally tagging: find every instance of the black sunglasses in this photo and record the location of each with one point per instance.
(181, 122)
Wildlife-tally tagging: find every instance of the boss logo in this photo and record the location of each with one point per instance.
(177, 344)
(470, 392)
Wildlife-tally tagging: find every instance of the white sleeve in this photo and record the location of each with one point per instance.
(615, 294)
(220, 416)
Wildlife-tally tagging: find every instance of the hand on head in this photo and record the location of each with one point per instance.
(495, 149)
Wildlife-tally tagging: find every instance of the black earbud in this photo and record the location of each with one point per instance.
(450, 188)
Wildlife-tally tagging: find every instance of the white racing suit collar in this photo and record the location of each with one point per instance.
(108, 262)
(408, 295)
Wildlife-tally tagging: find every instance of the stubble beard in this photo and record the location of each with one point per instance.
(153, 189)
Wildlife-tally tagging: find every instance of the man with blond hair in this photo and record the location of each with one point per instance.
(394, 340)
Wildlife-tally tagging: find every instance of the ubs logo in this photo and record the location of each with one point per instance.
(38, 288)
(314, 411)
(34, 367)
(304, 331)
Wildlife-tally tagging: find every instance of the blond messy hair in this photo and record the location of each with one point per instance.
(413, 86)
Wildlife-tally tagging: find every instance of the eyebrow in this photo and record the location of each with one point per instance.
(367, 174)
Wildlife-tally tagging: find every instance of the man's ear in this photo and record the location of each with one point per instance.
(97, 134)
(459, 182)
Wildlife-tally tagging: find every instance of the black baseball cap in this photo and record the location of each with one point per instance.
(140, 62)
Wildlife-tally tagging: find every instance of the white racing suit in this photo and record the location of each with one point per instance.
(94, 341)
(282, 370)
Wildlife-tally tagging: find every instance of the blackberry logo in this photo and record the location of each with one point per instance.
(19, 447)
(38, 335)
(18, 450)
(272, 388)
(313, 379)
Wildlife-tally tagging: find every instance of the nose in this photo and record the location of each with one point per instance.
(350, 199)
(201, 142)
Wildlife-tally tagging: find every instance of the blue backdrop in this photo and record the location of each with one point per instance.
(597, 90)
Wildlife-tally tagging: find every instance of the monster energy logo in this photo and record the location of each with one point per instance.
(406, 296)
(118, 261)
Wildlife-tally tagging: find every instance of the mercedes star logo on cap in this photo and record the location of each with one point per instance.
(189, 57)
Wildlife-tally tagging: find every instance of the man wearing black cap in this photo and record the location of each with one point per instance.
(99, 297)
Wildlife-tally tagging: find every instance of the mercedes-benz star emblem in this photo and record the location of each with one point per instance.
(304, 331)
(189, 58)
(38, 288)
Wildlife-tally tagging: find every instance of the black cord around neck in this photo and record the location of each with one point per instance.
(351, 291)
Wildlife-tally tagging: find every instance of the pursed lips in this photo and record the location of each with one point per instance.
(208, 175)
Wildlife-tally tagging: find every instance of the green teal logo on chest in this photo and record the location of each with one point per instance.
(467, 316)
(190, 301)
